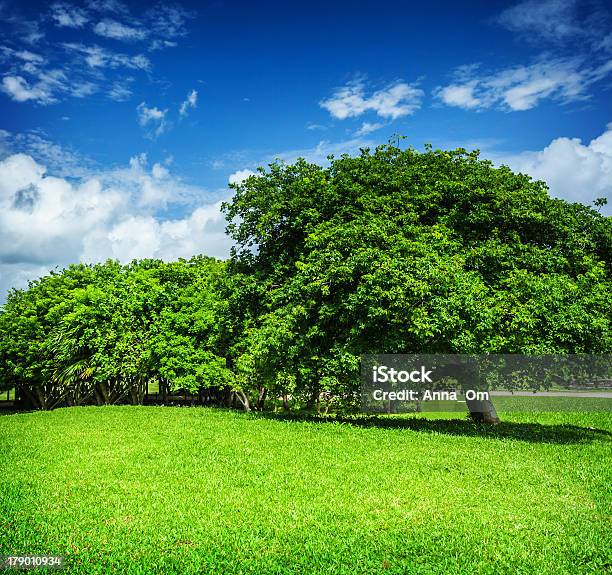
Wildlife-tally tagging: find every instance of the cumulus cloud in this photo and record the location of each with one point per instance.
(137, 237)
(190, 102)
(43, 217)
(241, 175)
(48, 221)
(395, 100)
(460, 95)
(574, 171)
(153, 119)
(520, 88)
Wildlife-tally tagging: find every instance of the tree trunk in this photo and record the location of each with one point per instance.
(40, 397)
(328, 403)
(227, 396)
(263, 392)
(29, 398)
(243, 398)
(312, 399)
(103, 389)
(482, 411)
(286, 402)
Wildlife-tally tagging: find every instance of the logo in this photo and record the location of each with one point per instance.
(384, 374)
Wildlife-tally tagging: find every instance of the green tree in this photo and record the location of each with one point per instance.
(26, 322)
(396, 251)
(104, 332)
(186, 350)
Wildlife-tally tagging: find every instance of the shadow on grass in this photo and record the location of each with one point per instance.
(530, 432)
(11, 411)
(520, 431)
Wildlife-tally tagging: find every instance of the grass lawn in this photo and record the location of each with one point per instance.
(195, 490)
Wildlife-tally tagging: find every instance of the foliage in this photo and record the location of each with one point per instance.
(107, 330)
(396, 251)
(392, 251)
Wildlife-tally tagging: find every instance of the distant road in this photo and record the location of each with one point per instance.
(600, 394)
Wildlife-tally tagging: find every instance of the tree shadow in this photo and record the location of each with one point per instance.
(14, 411)
(529, 432)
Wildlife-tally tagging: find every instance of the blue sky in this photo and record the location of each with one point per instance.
(122, 122)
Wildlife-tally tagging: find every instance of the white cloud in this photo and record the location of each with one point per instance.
(68, 15)
(241, 175)
(190, 102)
(203, 231)
(368, 128)
(20, 90)
(120, 91)
(80, 90)
(161, 44)
(75, 68)
(521, 88)
(460, 95)
(108, 6)
(552, 19)
(97, 57)
(574, 171)
(29, 56)
(394, 101)
(48, 221)
(45, 86)
(159, 172)
(31, 81)
(30, 31)
(147, 115)
(118, 31)
(43, 217)
(63, 162)
(168, 20)
(319, 153)
(152, 118)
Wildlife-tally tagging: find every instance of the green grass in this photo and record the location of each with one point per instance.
(195, 490)
(517, 403)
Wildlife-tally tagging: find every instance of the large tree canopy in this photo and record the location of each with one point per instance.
(396, 251)
(392, 251)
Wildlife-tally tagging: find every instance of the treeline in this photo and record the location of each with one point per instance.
(392, 251)
(99, 333)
